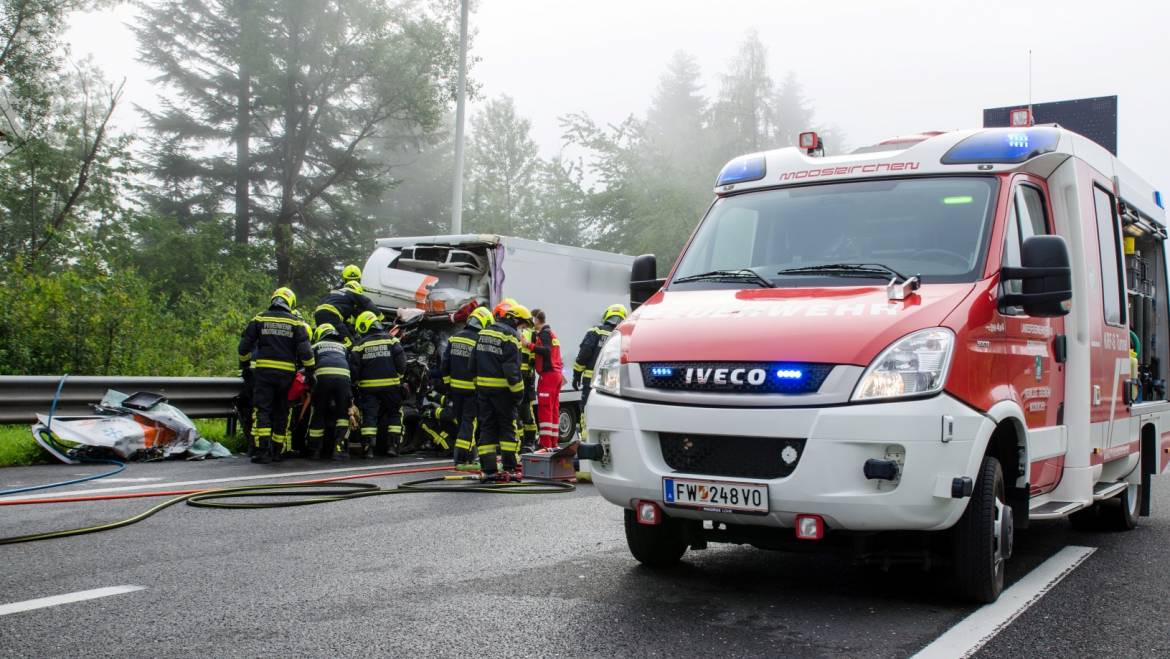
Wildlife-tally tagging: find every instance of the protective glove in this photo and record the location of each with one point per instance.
(576, 380)
(247, 374)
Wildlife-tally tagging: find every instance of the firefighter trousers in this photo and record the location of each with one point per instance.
(585, 386)
(332, 396)
(270, 428)
(463, 410)
(548, 408)
(381, 412)
(496, 410)
(527, 419)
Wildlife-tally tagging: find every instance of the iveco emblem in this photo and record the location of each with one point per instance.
(735, 376)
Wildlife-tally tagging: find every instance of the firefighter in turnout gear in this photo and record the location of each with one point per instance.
(527, 417)
(587, 354)
(499, 388)
(351, 273)
(379, 362)
(341, 306)
(277, 342)
(547, 350)
(458, 371)
(332, 392)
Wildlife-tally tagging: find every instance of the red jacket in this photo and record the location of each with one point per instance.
(548, 351)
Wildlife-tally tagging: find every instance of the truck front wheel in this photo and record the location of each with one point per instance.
(983, 537)
(659, 546)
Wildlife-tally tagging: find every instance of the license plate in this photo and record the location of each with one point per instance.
(718, 496)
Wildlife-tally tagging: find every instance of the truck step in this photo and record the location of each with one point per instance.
(1054, 509)
(1108, 490)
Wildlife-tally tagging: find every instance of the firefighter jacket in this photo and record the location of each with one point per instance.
(333, 358)
(527, 357)
(497, 359)
(379, 361)
(590, 346)
(275, 340)
(458, 364)
(547, 350)
(346, 304)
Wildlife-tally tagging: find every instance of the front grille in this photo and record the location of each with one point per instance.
(736, 377)
(729, 455)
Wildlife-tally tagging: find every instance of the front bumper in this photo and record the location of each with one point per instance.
(828, 479)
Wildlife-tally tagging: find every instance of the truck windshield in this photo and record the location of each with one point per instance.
(932, 227)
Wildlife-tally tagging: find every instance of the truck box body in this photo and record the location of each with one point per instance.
(853, 344)
(439, 274)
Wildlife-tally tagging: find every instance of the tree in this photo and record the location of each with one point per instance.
(742, 114)
(504, 167)
(791, 115)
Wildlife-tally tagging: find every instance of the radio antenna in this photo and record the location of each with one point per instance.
(1030, 83)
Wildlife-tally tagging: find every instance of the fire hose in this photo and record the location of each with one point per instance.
(302, 493)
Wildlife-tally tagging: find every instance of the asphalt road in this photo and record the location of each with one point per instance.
(549, 575)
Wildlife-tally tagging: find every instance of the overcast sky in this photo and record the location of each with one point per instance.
(874, 69)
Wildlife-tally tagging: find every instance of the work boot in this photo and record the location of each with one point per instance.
(262, 454)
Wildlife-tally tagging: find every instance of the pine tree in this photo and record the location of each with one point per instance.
(501, 188)
(742, 114)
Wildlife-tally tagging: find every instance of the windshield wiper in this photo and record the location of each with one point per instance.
(847, 270)
(743, 274)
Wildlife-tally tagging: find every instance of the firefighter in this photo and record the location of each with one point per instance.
(527, 418)
(341, 306)
(280, 342)
(458, 377)
(350, 273)
(547, 349)
(379, 362)
(332, 392)
(587, 354)
(499, 388)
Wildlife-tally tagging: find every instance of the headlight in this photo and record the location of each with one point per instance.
(607, 372)
(915, 364)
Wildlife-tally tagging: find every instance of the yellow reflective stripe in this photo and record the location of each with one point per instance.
(276, 364)
(466, 385)
(446, 379)
(530, 426)
(379, 342)
(511, 447)
(525, 366)
(380, 382)
(601, 331)
(516, 388)
(311, 361)
(494, 383)
(587, 374)
(369, 431)
(464, 340)
(332, 370)
(488, 449)
(261, 432)
(328, 307)
(394, 429)
(463, 444)
(556, 342)
(316, 433)
(578, 367)
(277, 319)
(501, 336)
(245, 356)
(342, 423)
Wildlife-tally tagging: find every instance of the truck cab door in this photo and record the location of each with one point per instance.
(1030, 354)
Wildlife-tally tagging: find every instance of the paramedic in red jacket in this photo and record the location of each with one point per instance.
(548, 386)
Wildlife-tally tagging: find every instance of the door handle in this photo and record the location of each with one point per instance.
(1096, 394)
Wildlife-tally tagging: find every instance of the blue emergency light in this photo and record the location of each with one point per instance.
(741, 170)
(661, 371)
(1003, 146)
(789, 374)
(1158, 198)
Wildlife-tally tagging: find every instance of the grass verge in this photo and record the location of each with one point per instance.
(18, 448)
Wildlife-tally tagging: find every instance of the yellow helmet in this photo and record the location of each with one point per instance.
(612, 310)
(364, 321)
(354, 286)
(482, 315)
(286, 294)
(323, 330)
(519, 311)
(351, 273)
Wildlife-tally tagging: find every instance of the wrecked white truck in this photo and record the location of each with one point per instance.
(426, 279)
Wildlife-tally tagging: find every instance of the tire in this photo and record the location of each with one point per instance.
(1121, 512)
(658, 546)
(979, 554)
(567, 423)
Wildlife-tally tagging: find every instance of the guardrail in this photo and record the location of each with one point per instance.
(22, 397)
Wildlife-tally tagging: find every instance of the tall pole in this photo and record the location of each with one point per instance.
(460, 111)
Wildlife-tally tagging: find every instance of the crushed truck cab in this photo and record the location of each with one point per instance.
(910, 350)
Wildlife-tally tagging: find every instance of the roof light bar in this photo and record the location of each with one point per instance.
(742, 170)
(1003, 146)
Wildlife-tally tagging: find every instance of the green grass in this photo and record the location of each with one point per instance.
(17, 447)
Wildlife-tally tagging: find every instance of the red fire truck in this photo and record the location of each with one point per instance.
(909, 352)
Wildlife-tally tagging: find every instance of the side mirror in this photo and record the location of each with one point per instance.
(1045, 276)
(644, 280)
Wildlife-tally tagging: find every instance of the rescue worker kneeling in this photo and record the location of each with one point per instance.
(279, 341)
(458, 371)
(378, 364)
(499, 390)
(332, 392)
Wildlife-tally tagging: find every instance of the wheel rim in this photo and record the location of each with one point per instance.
(1002, 532)
(1131, 500)
(565, 424)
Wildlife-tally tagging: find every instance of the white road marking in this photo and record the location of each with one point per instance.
(270, 476)
(80, 596)
(130, 480)
(974, 631)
